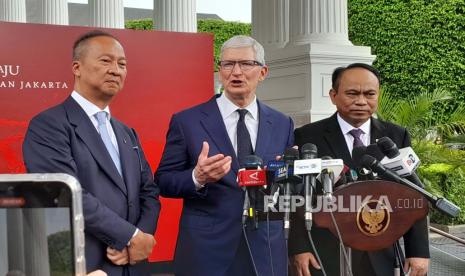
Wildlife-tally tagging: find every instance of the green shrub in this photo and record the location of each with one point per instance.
(140, 24)
(443, 173)
(446, 181)
(60, 253)
(419, 44)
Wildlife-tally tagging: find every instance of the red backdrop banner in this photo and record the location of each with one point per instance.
(167, 72)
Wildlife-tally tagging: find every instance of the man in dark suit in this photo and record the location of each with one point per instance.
(355, 91)
(78, 137)
(200, 162)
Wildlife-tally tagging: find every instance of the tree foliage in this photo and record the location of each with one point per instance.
(417, 113)
(221, 30)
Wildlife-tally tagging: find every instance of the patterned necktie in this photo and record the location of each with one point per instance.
(244, 145)
(356, 132)
(102, 129)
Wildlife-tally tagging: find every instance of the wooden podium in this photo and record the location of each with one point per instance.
(372, 215)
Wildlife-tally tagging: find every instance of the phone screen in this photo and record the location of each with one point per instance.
(36, 229)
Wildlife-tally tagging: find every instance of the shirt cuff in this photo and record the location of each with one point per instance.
(198, 186)
(133, 235)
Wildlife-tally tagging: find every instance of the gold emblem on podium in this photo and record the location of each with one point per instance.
(373, 218)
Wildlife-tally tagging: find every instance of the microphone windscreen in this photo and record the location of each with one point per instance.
(368, 161)
(251, 162)
(375, 152)
(388, 147)
(309, 151)
(291, 154)
(357, 154)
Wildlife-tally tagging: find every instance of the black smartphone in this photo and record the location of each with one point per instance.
(41, 225)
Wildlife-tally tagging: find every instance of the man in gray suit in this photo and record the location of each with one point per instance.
(80, 137)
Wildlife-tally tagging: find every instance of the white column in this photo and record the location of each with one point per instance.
(304, 40)
(175, 15)
(319, 21)
(54, 12)
(35, 240)
(107, 13)
(14, 219)
(270, 22)
(13, 10)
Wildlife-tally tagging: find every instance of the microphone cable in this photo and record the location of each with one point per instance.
(309, 234)
(269, 241)
(339, 236)
(399, 259)
(250, 250)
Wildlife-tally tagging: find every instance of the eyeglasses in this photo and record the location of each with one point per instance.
(245, 65)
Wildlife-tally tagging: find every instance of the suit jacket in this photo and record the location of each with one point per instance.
(64, 140)
(327, 136)
(210, 228)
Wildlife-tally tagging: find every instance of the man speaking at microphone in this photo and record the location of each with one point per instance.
(355, 92)
(204, 148)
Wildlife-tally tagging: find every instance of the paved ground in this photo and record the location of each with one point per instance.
(447, 256)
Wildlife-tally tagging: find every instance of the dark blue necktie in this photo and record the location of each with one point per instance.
(244, 145)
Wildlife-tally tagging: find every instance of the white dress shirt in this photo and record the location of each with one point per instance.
(91, 109)
(231, 117)
(346, 127)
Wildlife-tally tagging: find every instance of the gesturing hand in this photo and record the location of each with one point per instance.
(211, 169)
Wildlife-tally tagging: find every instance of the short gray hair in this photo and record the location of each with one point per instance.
(240, 41)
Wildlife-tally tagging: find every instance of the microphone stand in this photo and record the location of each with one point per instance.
(287, 213)
(245, 212)
(345, 253)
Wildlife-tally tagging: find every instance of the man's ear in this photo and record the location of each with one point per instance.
(332, 95)
(263, 73)
(76, 68)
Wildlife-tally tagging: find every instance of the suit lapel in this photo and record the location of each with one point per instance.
(89, 135)
(336, 141)
(125, 153)
(265, 126)
(213, 124)
(377, 130)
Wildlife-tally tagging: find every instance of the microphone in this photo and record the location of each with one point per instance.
(290, 155)
(388, 147)
(363, 173)
(403, 161)
(275, 188)
(250, 177)
(335, 167)
(440, 204)
(327, 179)
(309, 153)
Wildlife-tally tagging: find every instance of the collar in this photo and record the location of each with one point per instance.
(227, 107)
(346, 127)
(90, 108)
